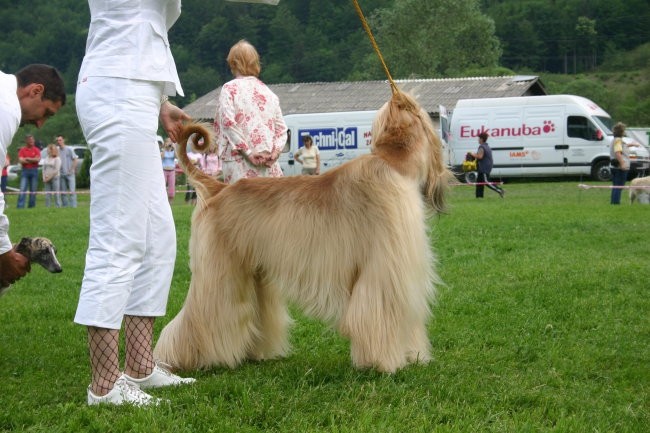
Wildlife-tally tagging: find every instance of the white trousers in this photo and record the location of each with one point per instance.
(132, 246)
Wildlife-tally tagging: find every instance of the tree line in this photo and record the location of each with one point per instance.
(323, 40)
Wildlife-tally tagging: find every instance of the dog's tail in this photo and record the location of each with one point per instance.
(205, 185)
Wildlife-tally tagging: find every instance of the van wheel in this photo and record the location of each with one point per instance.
(471, 177)
(601, 171)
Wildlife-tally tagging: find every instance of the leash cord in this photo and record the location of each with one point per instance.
(374, 45)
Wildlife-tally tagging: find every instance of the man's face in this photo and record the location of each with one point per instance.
(29, 141)
(60, 141)
(36, 110)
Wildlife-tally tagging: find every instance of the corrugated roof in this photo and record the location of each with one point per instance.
(371, 95)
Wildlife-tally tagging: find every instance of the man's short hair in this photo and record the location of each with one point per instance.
(46, 75)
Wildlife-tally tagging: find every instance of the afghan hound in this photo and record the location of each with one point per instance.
(642, 192)
(350, 247)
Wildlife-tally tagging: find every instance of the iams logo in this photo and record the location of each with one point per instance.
(524, 130)
(332, 138)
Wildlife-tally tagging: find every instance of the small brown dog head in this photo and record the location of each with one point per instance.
(41, 251)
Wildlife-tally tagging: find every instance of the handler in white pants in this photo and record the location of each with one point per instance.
(132, 247)
(127, 69)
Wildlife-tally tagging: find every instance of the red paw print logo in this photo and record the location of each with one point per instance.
(549, 126)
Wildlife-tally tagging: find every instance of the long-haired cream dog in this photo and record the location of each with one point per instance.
(640, 194)
(350, 247)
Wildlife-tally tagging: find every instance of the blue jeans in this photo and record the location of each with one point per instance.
(68, 183)
(618, 179)
(28, 179)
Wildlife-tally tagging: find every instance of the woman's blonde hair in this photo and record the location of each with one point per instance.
(52, 149)
(243, 59)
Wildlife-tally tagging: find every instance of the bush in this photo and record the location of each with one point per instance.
(83, 177)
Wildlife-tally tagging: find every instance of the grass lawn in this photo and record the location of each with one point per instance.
(542, 325)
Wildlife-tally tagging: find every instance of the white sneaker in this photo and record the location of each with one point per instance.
(123, 392)
(160, 376)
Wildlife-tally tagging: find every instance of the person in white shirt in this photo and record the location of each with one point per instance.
(31, 96)
(126, 75)
(308, 156)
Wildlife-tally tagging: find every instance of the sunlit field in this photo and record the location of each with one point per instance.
(542, 325)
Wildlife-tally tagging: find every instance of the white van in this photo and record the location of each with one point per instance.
(339, 137)
(555, 135)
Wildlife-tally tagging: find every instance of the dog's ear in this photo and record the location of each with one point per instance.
(23, 247)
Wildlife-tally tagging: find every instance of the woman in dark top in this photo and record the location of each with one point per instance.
(484, 157)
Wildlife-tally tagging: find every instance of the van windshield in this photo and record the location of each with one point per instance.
(605, 123)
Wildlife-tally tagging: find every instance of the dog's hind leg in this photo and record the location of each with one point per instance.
(273, 321)
(216, 325)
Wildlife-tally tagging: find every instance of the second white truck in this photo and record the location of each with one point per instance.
(339, 137)
(554, 135)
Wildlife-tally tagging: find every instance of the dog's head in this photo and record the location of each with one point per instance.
(41, 251)
(403, 135)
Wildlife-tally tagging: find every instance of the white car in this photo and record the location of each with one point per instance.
(13, 171)
(80, 150)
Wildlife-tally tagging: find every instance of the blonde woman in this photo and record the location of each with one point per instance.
(248, 123)
(52, 175)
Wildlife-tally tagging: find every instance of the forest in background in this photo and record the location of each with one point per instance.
(595, 48)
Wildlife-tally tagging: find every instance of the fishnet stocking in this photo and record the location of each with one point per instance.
(139, 339)
(104, 358)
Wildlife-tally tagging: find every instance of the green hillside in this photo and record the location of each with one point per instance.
(621, 86)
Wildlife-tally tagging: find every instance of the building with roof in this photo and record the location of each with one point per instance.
(299, 98)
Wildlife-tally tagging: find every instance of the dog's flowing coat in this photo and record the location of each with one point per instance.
(349, 247)
(640, 194)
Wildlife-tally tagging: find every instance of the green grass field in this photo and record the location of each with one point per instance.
(542, 325)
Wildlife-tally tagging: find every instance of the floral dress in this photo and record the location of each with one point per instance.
(248, 118)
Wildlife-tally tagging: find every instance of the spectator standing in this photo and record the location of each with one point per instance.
(31, 96)
(619, 155)
(51, 173)
(5, 174)
(68, 178)
(210, 163)
(249, 126)
(308, 156)
(168, 156)
(29, 156)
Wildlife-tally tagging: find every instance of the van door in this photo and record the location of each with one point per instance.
(584, 142)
